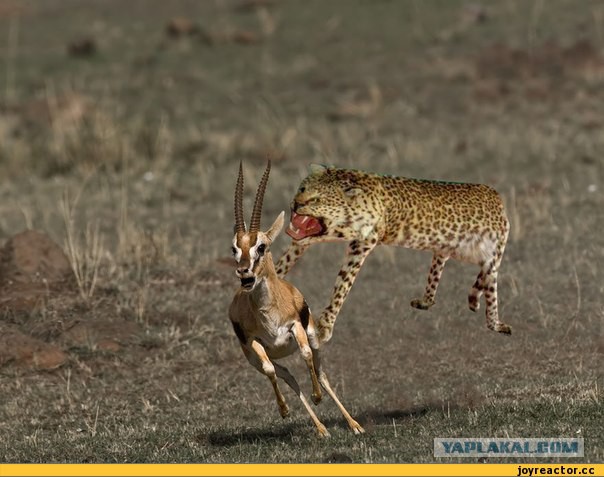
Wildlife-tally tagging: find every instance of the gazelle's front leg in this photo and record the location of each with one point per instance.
(356, 253)
(436, 270)
(307, 354)
(256, 355)
(290, 257)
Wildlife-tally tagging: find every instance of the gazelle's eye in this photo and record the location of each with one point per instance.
(233, 250)
(261, 248)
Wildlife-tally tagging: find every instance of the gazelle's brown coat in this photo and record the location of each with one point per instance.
(270, 316)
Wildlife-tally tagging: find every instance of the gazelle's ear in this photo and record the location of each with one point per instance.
(317, 168)
(276, 227)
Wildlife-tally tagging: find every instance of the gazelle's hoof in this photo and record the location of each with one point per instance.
(356, 427)
(322, 431)
(421, 304)
(316, 398)
(284, 411)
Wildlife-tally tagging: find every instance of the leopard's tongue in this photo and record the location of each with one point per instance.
(301, 226)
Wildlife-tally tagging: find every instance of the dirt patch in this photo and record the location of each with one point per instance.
(180, 26)
(61, 111)
(32, 267)
(250, 6)
(548, 60)
(26, 351)
(37, 294)
(100, 334)
(538, 74)
(82, 47)
(32, 257)
(9, 9)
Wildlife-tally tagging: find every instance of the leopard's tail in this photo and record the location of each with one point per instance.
(325, 328)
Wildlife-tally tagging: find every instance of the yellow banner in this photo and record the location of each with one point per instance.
(10, 470)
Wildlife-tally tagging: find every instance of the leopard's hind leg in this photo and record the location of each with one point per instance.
(486, 283)
(436, 270)
(476, 292)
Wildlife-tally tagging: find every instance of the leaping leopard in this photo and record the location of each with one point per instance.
(453, 220)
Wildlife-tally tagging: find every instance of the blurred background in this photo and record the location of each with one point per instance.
(122, 125)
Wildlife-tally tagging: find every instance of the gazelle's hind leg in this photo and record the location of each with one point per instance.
(260, 360)
(436, 270)
(284, 374)
(307, 354)
(354, 425)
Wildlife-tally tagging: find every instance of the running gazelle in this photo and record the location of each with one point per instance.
(269, 315)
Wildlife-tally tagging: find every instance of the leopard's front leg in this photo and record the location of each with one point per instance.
(356, 253)
(290, 257)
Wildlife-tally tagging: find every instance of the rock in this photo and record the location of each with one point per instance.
(23, 297)
(338, 458)
(32, 257)
(245, 37)
(26, 351)
(108, 345)
(62, 111)
(102, 334)
(9, 8)
(82, 48)
(247, 6)
(180, 26)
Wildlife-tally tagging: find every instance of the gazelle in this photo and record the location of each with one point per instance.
(269, 315)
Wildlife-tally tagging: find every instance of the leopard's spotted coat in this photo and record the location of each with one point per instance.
(453, 220)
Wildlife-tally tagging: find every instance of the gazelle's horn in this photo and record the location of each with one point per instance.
(257, 211)
(239, 222)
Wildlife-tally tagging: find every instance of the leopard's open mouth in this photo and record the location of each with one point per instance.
(302, 226)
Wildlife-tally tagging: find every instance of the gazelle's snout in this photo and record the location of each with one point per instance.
(242, 272)
(247, 277)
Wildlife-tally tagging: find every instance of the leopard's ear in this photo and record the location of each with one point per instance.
(317, 168)
(351, 192)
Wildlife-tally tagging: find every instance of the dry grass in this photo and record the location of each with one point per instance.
(146, 136)
(84, 255)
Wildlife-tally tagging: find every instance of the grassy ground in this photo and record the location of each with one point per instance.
(143, 140)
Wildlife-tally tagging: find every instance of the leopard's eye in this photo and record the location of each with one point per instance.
(261, 249)
(302, 189)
